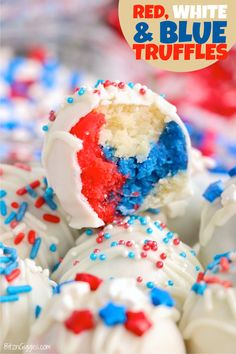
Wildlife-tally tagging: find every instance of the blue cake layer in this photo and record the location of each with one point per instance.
(167, 157)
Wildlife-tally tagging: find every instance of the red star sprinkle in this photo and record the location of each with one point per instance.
(92, 280)
(80, 321)
(137, 323)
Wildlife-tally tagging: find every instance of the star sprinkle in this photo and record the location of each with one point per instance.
(92, 280)
(161, 297)
(80, 321)
(137, 323)
(213, 191)
(199, 288)
(113, 314)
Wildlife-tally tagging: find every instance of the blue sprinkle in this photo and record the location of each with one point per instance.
(193, 253)
(131, 84)
(213, 191)
(149, 230)
(232, 172)
(49, 192)
(165, 240)
(93, 256)
(197, 268)
(161, 297)
(9, 298)
(98, 83)
(113, 314)
(130, 221)
(158, 225)
(183, 254)
(107, 235)
(45, 128)
(70, 100)
(170, 282)
(81, 91)
(199, 288)
(3, 208)
(31, 191)
(169, 235)
(2, 193)
(114, 244)
(45, 181)
(38, 310)
(102, 257)
(154, 211)
(21, 212)
(218, 256)
(10, 218)
(143, 220)
(55, 267)
(50, 202)
(53, 247)
(149, 284)
(88, 232)
(4, 259)
(131, 255)
(35, 248)
(13, 290)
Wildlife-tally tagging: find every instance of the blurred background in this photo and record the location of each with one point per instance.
(49, 48)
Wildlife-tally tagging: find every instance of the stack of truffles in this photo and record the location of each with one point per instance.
(122, 241)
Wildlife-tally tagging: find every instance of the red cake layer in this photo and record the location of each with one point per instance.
(101, 180)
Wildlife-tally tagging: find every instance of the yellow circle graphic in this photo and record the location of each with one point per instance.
(177, 35)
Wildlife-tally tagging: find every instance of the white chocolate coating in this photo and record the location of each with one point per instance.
(61, 147)
(208, 324)
(178, 267)
(218, 224)
(17, 317)
(50, 328)
(59, 234)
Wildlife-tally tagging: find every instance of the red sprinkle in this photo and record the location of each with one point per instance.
(224, 264)
(129, 243)
(52, 115)
(19, 238)
(75, 262)
(176, 241)
(13, 224)
(121, 85)
(13, 275)
(31, 236)
(163, 256)
(146, 247)
(139, 279)
(200, 277)
(93, 281)
(142, 91)
(33, 185)
(51, 218)
(159, 264)
(80, 321)
(39, 202)
(143, 254)
(121, 242)
(99, 239)
(14, 205)
(107, 83)
(97, 91)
